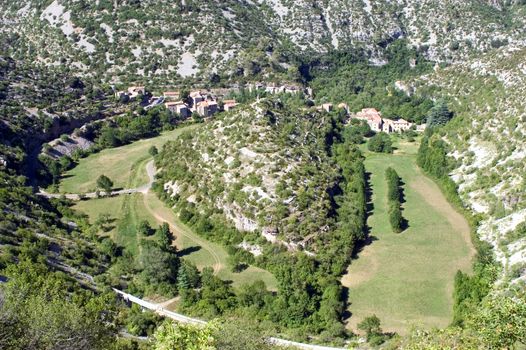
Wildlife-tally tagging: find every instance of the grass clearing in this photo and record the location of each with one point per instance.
(407, 279)
(116, 163)
(209, 253)
(126, 167)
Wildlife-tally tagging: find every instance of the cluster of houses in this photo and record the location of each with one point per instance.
(198, 102)
(201, 103)
(205, 104)
(374, 119)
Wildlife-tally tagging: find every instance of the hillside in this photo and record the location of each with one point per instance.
(165, 41)
(264, 166)
(486, 146)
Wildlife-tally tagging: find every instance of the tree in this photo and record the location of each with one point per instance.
(170, 336)
(165, 237)
(371, 326)
(105, 183)
(40, 309)
(380, 142)
(145, 229)
(153, 151)
(439, 114)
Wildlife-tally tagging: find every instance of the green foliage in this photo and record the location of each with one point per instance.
(394, 196)
(349, 77)
(381, 142)
(432, 156)
(501, 321)
(170, 336)
(40, 309)
(105, 183)
(371, 326)
(153, 151)
(141, 322)
(439, 114)
(145, 229)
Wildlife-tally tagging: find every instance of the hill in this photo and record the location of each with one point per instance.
(265, 167)
(164, 41)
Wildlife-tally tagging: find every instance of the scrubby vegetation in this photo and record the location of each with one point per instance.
(309, 298)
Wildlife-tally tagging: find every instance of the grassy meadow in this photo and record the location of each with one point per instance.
(126, 167)
(116, 163)
(407, 278)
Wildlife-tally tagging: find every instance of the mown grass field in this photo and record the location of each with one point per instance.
(407, 278)
(129, 210)
(116, 163)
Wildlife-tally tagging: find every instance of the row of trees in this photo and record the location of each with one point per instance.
(394, 196)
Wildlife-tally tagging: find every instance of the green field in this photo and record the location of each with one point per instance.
(407, 279)
(116, 163)
(128, 210)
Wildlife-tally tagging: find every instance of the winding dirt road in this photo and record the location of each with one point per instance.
(168, 217)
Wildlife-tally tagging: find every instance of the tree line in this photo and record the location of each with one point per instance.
(394, 196)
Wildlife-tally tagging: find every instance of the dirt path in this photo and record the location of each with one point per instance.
(432, 194)
(163, 217)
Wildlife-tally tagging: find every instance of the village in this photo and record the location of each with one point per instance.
(205, 103)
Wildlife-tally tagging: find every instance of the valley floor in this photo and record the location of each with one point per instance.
(407, 279)
(127, 165)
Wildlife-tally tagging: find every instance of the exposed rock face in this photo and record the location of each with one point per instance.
(190, 39)
(61, 148)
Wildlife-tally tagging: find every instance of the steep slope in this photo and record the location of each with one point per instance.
(443, 29)
(487, 146)
(164, 41)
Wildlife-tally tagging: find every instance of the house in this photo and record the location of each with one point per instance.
(206, 108)
(178, 107)
(387, 126)
(372, 117)
(229, 104)
(171, 95)
(134, 91)
(421, 127)
(400, 125)
(196, 97)
(327, 107)
(271, 89)
(121, 94)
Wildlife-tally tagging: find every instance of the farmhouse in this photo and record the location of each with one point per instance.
(134, 91)
(377, 123)
(327, 107)
(171, 95)
(178, 107)
(372, 117)
(400, 125)
(206, 108)
(131, 93)
(229, 104)
(196, 97)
